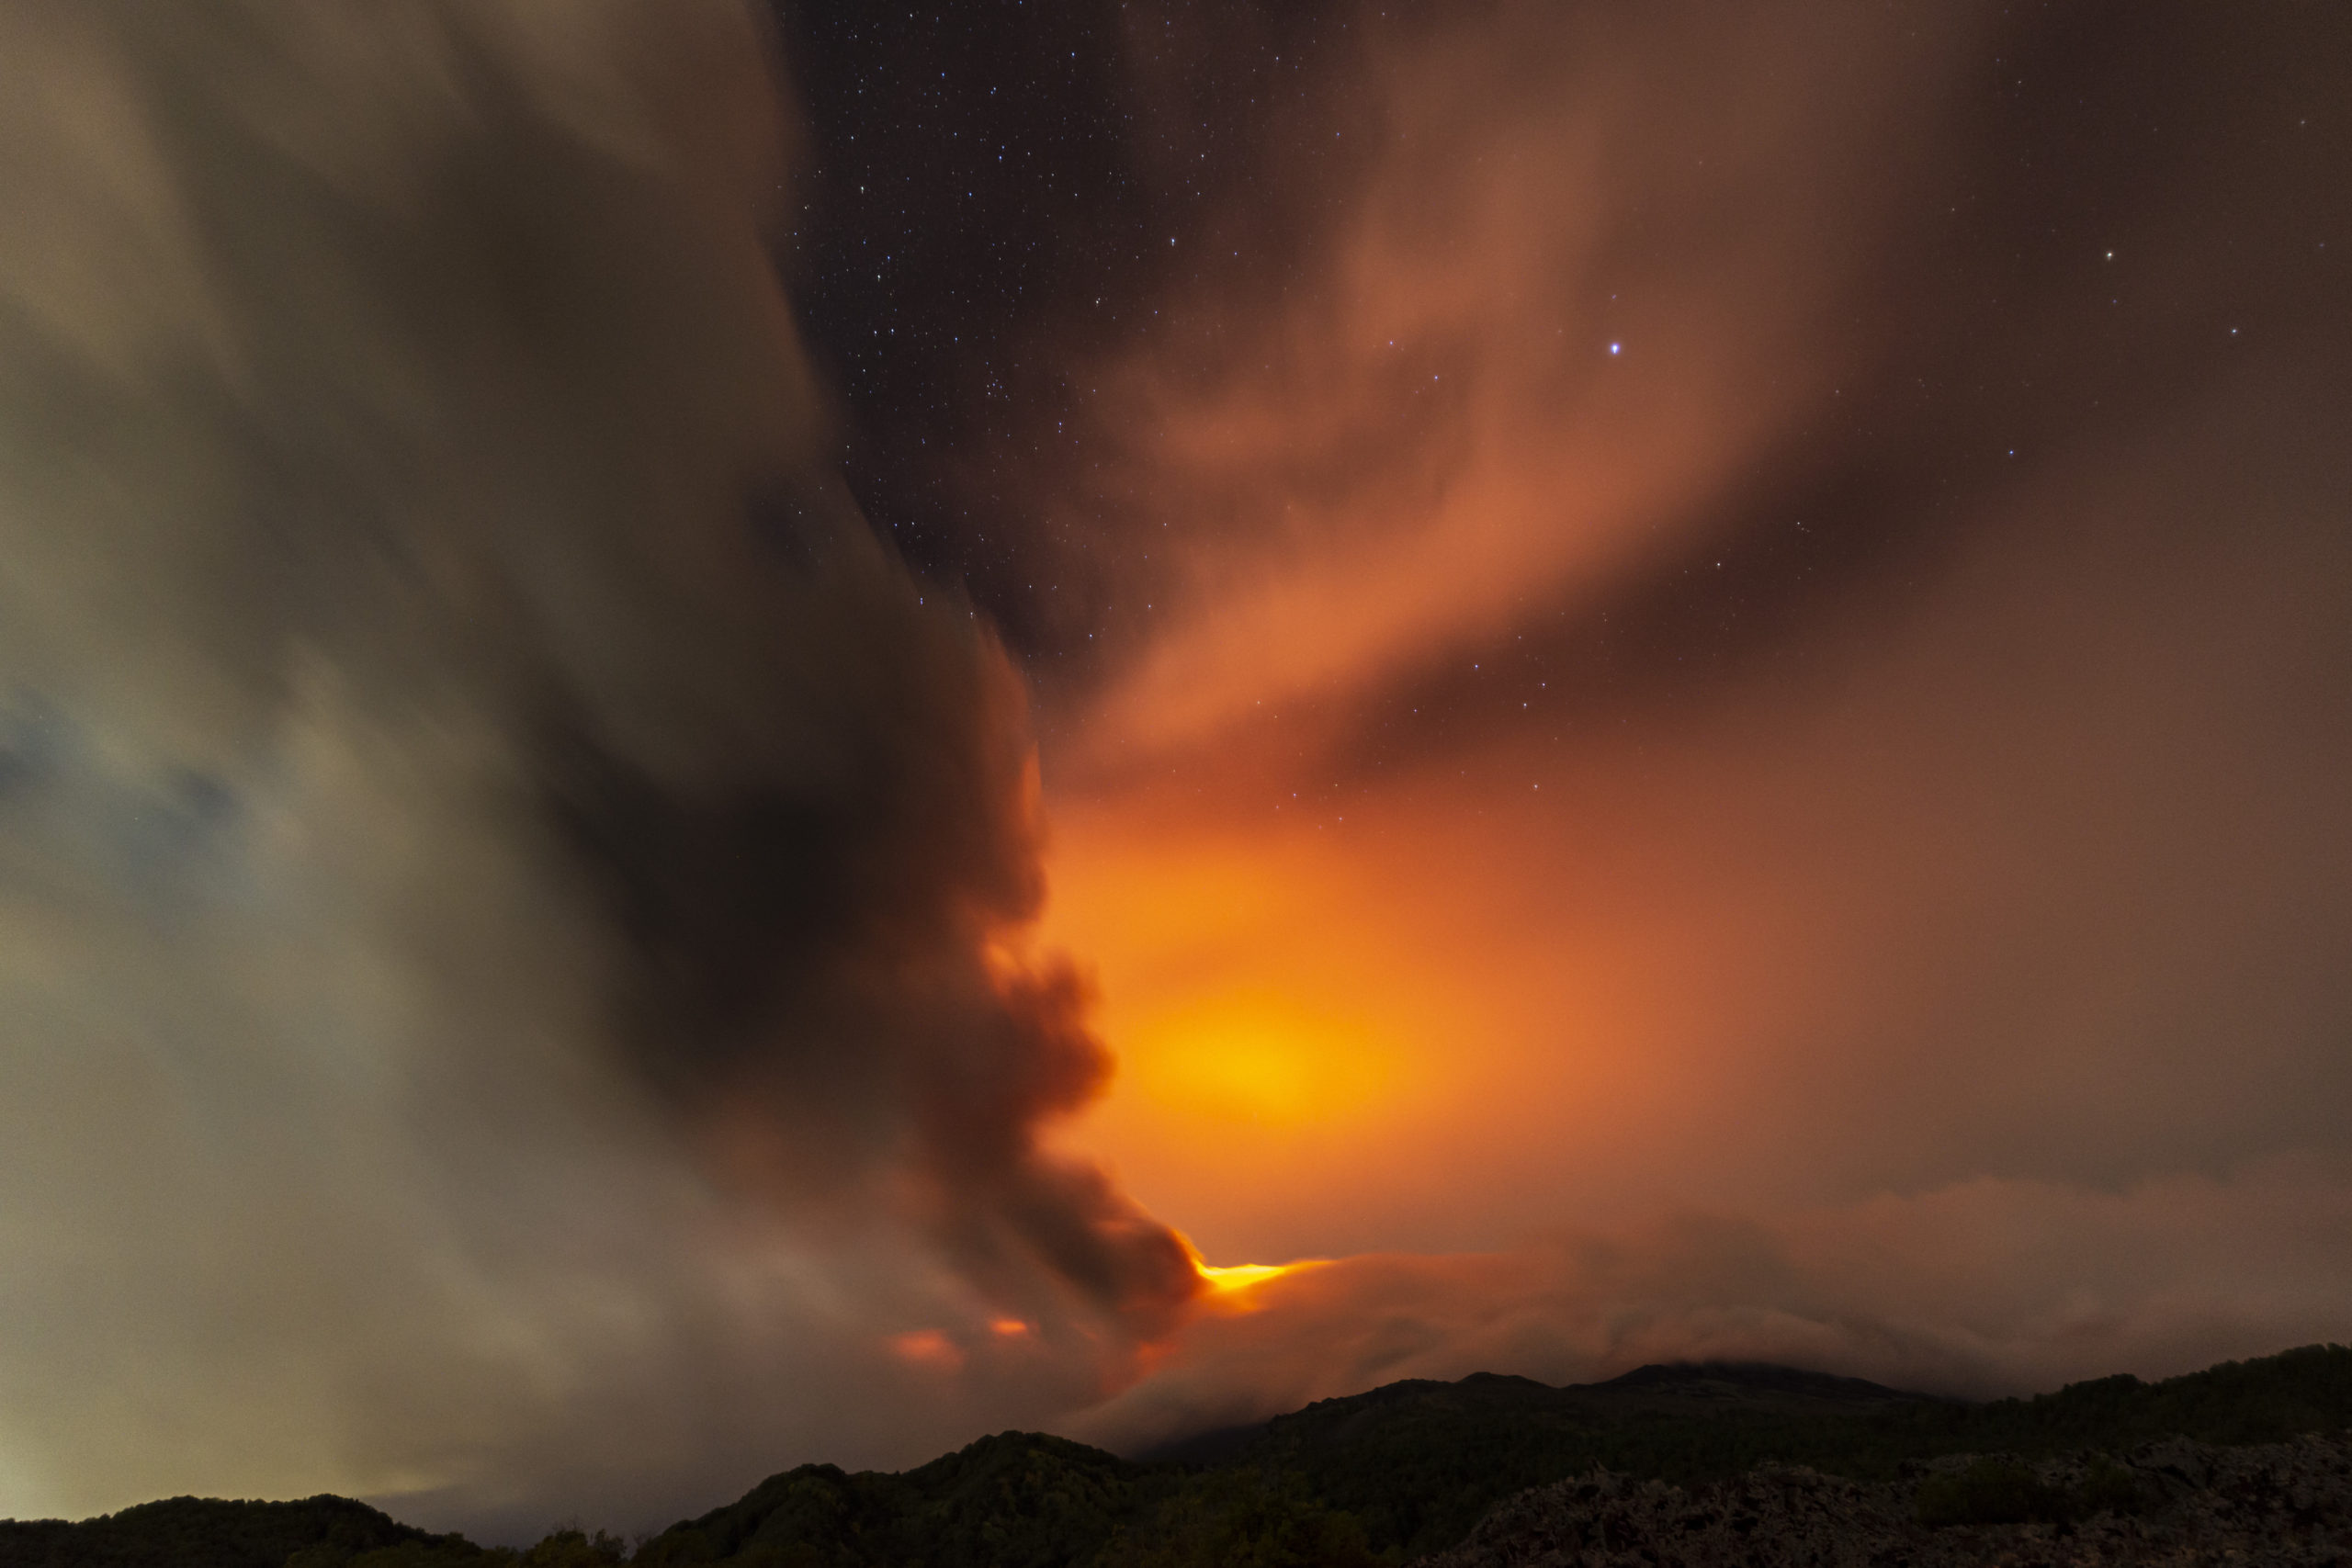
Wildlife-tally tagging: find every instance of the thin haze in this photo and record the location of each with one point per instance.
(1715, 726)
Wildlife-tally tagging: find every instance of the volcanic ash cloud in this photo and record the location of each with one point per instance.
(504, 882)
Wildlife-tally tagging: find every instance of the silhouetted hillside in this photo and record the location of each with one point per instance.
(1015, 1497)
(2165, 1505)
(203, 1531)
(1384, 1476)
(1418, 1464)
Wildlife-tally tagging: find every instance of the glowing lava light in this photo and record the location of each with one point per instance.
(1239, 1276)
(1231, 1284)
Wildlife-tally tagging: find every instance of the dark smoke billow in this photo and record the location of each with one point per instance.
(477, 806)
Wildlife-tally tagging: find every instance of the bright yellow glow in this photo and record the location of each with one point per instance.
(1231, 1285)
(1241, 1276)
(1258, 1056)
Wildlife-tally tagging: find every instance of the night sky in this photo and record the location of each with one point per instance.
(732, 736)
(992, 202)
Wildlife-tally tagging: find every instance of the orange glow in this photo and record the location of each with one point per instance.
(1335, 990)
(1320, 1026)
(1009, 1327)
(1235, 996)
(1259, 1055)
(927, 1348)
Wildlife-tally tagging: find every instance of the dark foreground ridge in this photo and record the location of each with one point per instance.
(2275, 1506)
(1683, 1464)
(324, 1530)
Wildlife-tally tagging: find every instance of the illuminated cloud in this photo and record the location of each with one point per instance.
(1871, 744)
(1434, 427)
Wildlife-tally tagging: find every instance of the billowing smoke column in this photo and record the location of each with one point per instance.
(476, 803)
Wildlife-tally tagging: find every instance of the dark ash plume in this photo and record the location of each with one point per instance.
(476, 802)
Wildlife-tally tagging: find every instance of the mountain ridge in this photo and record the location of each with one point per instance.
(1716, 1380)
(1388, 1475)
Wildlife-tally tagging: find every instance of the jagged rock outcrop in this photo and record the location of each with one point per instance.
(2174, 1503)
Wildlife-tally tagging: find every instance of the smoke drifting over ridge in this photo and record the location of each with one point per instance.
(501, 872)
(1981, 1289)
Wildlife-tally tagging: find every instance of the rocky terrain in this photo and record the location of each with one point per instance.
(2176, 1502)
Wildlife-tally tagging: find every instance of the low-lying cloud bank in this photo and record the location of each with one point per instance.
(1980, 1289)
